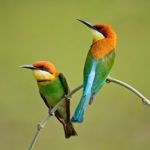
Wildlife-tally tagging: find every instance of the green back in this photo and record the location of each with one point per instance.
(103, 68)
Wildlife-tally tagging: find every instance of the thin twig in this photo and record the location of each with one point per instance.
(40, 126)
(109, 80)
(130, 88)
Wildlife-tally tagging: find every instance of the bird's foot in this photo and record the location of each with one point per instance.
(49, 111)
(67, 98)
(91, 99)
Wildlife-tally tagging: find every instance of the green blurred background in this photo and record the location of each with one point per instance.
(48, 30)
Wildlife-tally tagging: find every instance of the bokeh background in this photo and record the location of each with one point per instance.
(48, 30)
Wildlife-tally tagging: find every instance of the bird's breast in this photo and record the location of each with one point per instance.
(52, 91)
(102, 47)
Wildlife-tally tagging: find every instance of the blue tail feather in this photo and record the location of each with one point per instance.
(79, 112)
(88, 83)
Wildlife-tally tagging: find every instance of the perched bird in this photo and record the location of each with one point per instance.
(52, 88)
(99, 62)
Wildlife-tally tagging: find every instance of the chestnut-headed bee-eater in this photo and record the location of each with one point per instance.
(52, 88)
(99, 62)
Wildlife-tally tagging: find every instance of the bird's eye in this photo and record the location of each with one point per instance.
(101, 30)
(42, 68)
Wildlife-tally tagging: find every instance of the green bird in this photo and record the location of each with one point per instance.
(52, 88)
(99, 62)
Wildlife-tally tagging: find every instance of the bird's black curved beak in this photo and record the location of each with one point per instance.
(28, 67)
(87, 24)
(97, 35)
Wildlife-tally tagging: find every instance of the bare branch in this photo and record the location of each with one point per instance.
(42, 124)
(67, 97)
(130, 88)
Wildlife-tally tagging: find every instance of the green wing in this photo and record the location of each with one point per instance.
(45, 101)
(64, 83)
(66, 90)
(102, 71)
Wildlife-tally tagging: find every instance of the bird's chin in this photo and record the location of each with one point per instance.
(97, 35)
(43, 81)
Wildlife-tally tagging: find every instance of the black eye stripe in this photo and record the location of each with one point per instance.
(101, 30)
(44, 69)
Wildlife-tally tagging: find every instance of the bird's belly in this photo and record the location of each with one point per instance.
(53, 99)
(53, 93)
